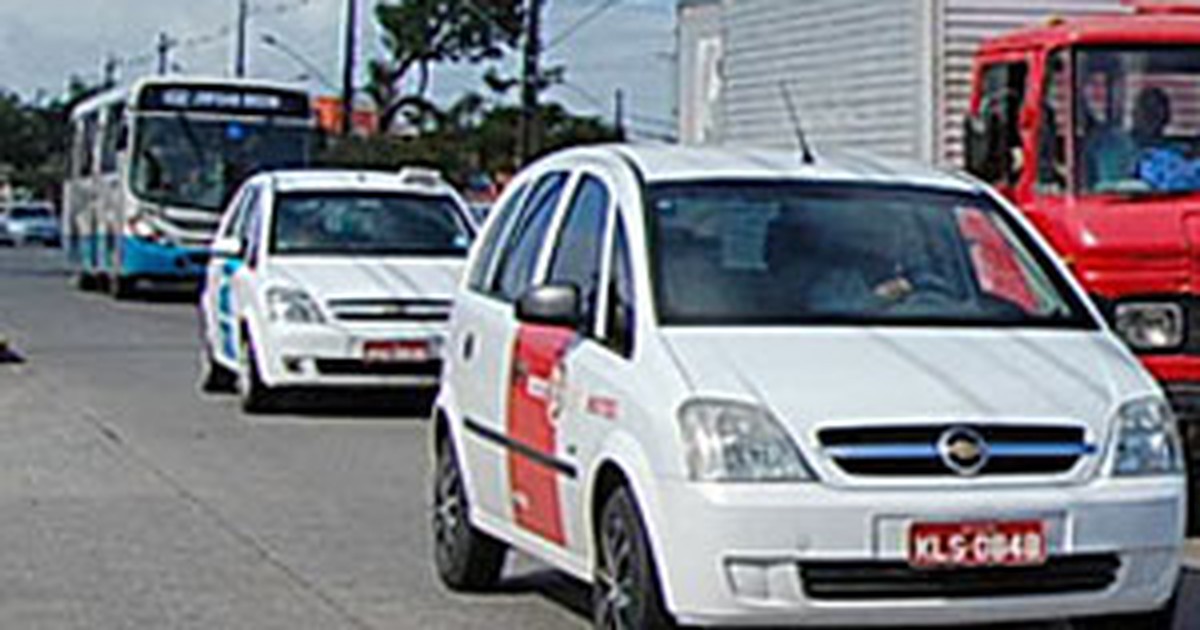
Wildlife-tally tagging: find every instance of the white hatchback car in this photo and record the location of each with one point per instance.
(331, 278)
(727, 388)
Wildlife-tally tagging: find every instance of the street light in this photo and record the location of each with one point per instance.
(291, 53)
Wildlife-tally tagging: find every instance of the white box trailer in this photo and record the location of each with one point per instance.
(889, 76)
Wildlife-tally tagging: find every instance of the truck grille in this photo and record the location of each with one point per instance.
(391, 310)
(847, 581)
(921, 451)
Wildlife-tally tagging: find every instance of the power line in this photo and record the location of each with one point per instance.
(582, 22)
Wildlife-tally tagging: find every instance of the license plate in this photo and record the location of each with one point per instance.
(397, 351)
(983, 544)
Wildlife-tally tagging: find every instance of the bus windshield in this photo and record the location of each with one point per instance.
(1138, 119)
(199, 163)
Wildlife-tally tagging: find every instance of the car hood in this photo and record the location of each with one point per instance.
(842, 376)
(371, 278)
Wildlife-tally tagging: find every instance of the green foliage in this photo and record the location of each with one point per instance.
(468, 137)
(420, 34)
(34, 138)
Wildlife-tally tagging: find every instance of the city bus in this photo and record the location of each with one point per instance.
(152, 166)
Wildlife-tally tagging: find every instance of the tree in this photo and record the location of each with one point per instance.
(422, 33)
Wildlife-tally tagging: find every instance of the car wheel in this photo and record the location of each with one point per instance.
(214, 377)
(626, 592)
(466, 558)
(256, 396)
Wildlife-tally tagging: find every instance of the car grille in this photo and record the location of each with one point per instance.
(349, 367)
(914, 450)
(391, 310)
(845, 581)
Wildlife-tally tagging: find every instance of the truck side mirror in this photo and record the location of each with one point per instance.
(976, 151)
(226, 249)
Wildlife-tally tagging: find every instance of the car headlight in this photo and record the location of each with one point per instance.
(293, 306)
(1149, 325)
(728, 441)
(1147, 440)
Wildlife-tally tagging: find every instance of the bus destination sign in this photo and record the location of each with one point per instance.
(225, 100)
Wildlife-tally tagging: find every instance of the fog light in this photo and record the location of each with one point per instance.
(293, 365)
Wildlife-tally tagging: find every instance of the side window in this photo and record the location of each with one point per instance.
(521, 248)
(85, 145)
(486, 259)
(1000, 110)
(1052, 142)
(579, 249)
(111, 138)
(621, 318)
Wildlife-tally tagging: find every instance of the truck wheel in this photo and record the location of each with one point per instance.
(466, 558)
(121, 287)
(86, 282)
(256, 396)
(626, 591)
(214, 377)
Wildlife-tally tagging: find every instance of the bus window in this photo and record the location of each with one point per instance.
(85, 145)
(111, 142)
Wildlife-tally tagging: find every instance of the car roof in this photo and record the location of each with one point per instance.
(668, 163)
(352, 180)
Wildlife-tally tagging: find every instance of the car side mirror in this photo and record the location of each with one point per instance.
(227, 248)
(551, 305)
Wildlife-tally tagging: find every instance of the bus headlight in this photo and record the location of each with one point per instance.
(1148, 440)
(727, 441)
(142, 225)
(293, 306)
(1150, 325)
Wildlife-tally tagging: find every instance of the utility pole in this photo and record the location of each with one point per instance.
(530, 81)
(348, 63)
(165, 44)
(619, 113)
(239, 67)
(110, 71)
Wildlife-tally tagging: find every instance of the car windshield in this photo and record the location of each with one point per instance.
(198, 163)
(1138, 119)
(356, 224)
(28, 212)
(747, 253)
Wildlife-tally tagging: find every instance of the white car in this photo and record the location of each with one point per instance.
(328, 279)
(729, 388)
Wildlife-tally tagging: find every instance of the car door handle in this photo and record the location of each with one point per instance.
(468, 347)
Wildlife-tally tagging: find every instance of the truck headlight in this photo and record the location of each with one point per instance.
(293, 306)
(1147, 440)
(1150, 325)
(728, 441)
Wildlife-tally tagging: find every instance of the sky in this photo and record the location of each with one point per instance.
(629, 46)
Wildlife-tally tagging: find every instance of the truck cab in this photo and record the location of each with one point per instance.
(1092, 127)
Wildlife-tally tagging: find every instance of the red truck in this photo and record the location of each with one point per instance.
(1092, 126)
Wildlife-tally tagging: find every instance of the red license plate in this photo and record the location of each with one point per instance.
(983, 544)
(397, 351)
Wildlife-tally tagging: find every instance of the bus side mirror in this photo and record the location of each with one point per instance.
(227, 249)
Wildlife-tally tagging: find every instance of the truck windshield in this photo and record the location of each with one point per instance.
(1138, 119)
(198, 163)
(368, 224)
(730, 253)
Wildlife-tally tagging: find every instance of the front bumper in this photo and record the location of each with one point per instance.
(333, 356)
(744, 567)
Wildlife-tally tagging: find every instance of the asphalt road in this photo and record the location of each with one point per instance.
(127, 500)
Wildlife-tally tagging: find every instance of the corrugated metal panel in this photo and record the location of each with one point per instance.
(854, 67)
(964, 25)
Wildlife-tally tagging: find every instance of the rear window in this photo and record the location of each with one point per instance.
(380, 224)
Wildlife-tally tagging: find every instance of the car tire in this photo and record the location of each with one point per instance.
(255, 395)
(466, 559)
(216, 378)
(626, 591)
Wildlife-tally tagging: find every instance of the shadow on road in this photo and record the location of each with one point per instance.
(369, 403)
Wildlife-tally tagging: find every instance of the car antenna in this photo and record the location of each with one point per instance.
(806, 154)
